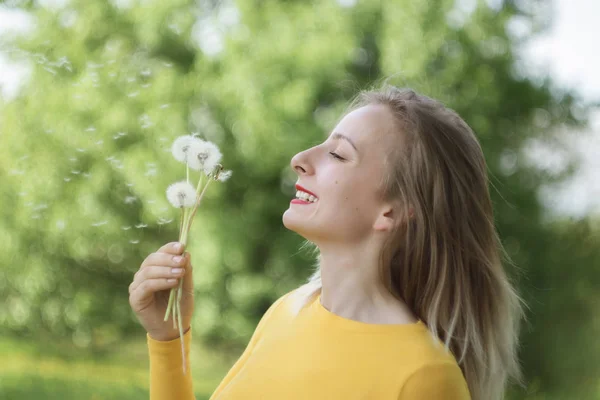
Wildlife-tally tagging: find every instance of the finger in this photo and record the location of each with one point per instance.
(146, 289)
(172, 248)
(154, 272)
(160, 265)
(166, 259)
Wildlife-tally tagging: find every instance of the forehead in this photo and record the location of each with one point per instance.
(366, 125)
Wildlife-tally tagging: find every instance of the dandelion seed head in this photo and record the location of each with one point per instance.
(181, 194)
(181, 148)
(204, 156)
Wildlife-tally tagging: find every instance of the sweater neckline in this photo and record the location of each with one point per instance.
(327, 317)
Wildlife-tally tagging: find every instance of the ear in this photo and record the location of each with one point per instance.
(390, 218)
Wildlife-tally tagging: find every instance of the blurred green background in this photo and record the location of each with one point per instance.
(84, 164)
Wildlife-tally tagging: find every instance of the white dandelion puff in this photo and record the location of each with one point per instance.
(181, 148)
(204, 156)
(181, 194)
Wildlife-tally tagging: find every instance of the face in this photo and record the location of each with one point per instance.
(344, 173)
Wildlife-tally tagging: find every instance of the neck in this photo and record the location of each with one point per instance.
(352, 288)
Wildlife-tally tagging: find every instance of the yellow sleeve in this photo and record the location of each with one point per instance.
(436, 381)
(253, 340)
(166, 372)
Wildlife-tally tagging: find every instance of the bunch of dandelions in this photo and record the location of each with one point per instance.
(202, 156)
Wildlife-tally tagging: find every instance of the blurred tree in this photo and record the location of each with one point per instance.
(85, 155)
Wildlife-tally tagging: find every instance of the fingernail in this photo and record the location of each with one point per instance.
(176, 270)
(177, 259)
(177, 246)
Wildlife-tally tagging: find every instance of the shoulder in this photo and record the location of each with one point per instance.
(275, 307)
(435, 380)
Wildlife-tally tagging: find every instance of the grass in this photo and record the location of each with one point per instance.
(35, 371)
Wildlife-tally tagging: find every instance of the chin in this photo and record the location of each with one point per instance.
(294, 225)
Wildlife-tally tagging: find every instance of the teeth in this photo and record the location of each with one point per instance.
(306, 197)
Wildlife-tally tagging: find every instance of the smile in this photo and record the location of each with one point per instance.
(305, 195)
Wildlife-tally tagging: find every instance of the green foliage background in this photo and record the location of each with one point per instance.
(84, 158)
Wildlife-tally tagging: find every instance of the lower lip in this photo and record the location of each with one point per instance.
(298, 201)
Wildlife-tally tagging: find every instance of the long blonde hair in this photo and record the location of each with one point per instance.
(445, 262)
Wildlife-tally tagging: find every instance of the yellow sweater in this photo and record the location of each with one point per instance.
(319, 355)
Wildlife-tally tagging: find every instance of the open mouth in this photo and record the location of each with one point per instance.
(305, 195)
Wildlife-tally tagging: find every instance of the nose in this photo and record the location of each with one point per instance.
(300, 163)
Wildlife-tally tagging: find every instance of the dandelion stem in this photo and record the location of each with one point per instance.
(173, 293)
(197, 204)
(181, 334)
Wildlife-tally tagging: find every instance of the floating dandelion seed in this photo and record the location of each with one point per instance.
(181, 194)
(224, 175)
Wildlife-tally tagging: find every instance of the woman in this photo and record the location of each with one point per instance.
(409, 299)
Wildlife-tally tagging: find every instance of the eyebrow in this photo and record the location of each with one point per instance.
(338, 136)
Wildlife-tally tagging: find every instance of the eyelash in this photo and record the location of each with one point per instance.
(336, 156)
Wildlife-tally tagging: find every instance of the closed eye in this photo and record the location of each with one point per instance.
(336, 156)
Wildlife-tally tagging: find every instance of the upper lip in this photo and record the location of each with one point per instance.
(298, 187)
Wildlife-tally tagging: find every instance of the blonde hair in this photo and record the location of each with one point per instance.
(445, 262)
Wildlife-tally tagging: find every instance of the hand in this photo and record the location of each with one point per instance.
(149, 292)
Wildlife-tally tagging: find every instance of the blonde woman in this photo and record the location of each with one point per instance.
(409, 300)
